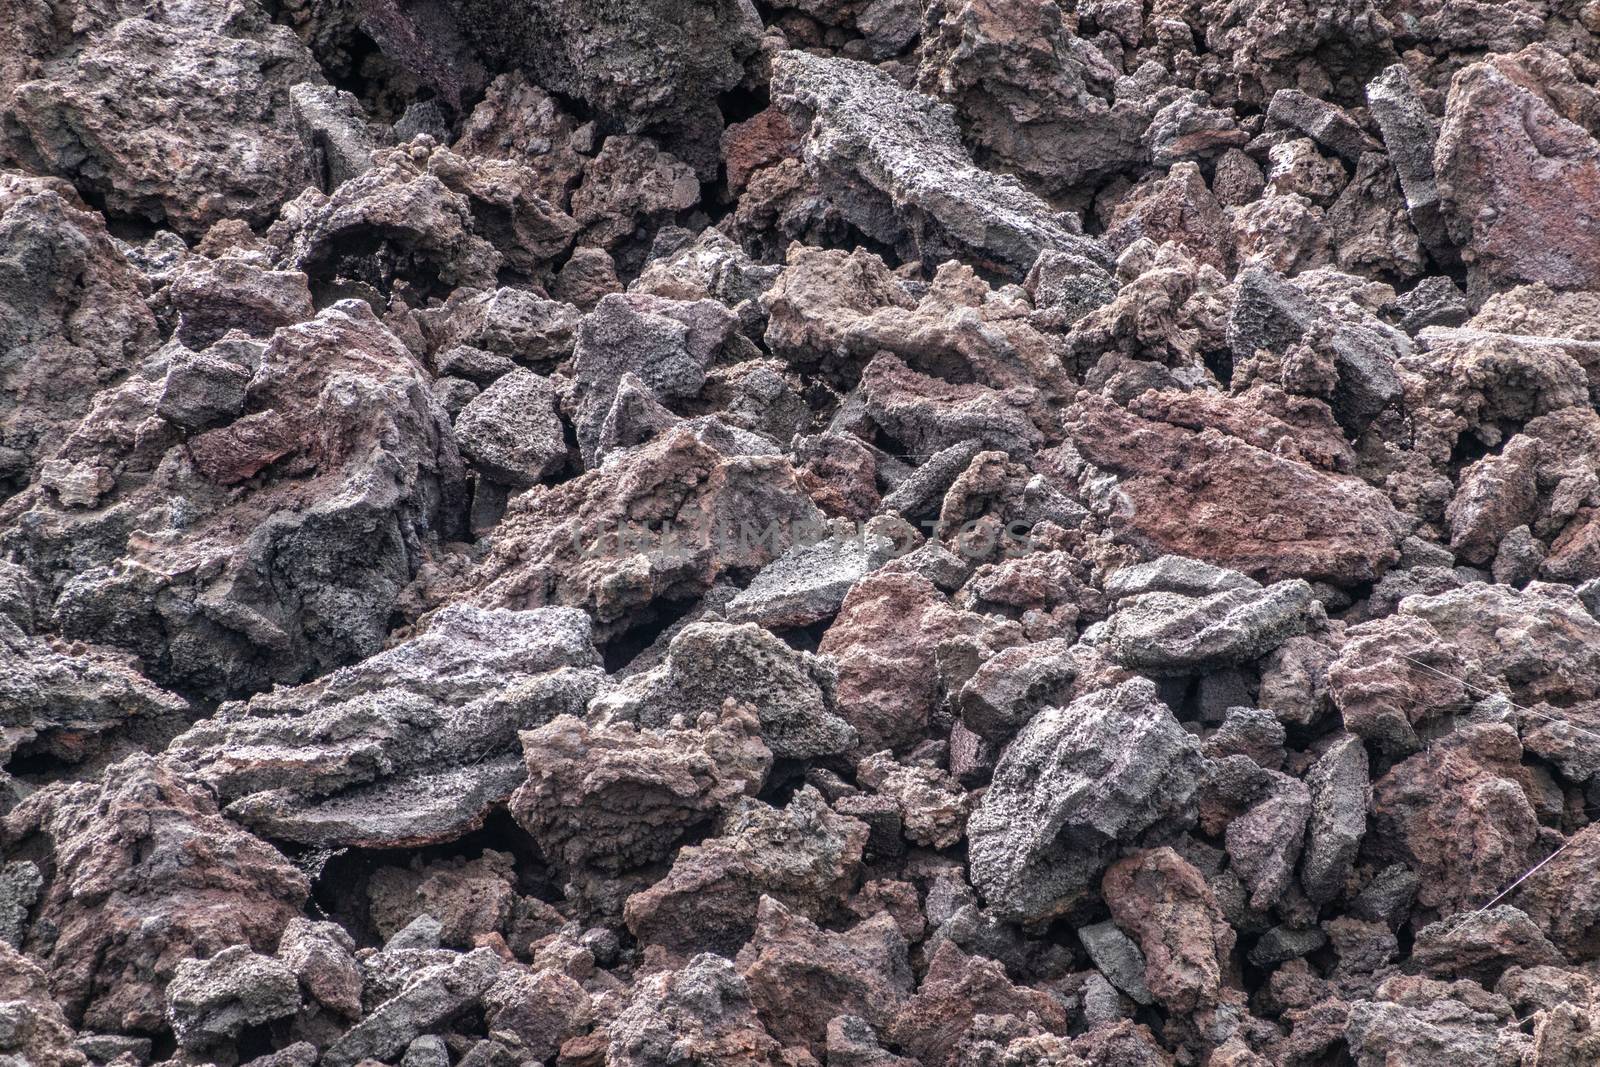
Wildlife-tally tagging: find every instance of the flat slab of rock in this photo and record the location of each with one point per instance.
(894, 163)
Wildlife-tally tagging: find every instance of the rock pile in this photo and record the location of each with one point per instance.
(799, 533)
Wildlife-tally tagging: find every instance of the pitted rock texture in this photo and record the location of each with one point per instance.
(799, 533)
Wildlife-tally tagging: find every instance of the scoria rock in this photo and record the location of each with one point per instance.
(143, 842)
(1075, 783)
(412, 745)
(894, 162)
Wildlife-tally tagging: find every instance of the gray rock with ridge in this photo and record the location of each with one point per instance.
(1075, 784)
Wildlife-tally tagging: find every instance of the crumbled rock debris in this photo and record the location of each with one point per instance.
(799, 533)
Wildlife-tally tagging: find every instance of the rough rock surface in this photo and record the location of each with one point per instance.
(1075, 783)
(799, 533)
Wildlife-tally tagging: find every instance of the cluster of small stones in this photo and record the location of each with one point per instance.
(800, 533)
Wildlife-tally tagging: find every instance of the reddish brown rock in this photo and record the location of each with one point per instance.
(883, 641)
(957, 990)
(803, 856)
(757, 142)
(1458, 815)
(801, 977)
(1519, 179)
(73, 319)
(614, 797)
(1396, 673)
(1561, 896)
(1216, 497)
(662, 522)
(143, 843)
(37, 1033)
(1165, 905)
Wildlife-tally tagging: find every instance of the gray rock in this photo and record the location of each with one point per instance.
(708, 662)
(429, 1050)
(667, 344)
(512, 432)
(1283, 943)
(299, 1054)
(211, 1001)
(656, 64)
(1327, 124)
(807, 583)
(1435, 301)
(20, 883)
(335, 132)
(1075, 783)
(1409, 136)
(182, 116)
(1118, 958)
(1264, 843)
(108, 1048)
(1339, 795)
(925, 486)
(1480, 945)
(1387, 898)
(432, 997)
(208, 386)
(893, 161)
(413, 744)
(1175, 574)
(1169, 634)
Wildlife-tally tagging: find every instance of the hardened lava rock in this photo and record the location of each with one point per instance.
(799, 533)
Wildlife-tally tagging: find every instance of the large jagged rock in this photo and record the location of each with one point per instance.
(1075, 784)
(266, 547)
(211, 1001)
(1218, 497)
(955, 995)
(656, 64)
(793, 693)
(430, 997)
(410, 746)
(660, 522)
(894, 163)
(73, 319)
(1034, 96)
(1459, 815)
(1394, 674)
(1540, 639)
(1561, 898)
(703, 1013)
(138, 844)
(668, 345)
(801, 977)
(1519, 175)
(615, 797)
(37, 1033)
(884, 641)
(1164, 904)
(804, 856)
(181, 116)
(1168, 633)
(59, 701)
(1415, 1019)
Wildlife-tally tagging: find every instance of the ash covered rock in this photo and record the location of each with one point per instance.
(415, 744)
(894, 163)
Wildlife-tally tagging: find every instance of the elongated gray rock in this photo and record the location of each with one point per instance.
(893, 162)
(1168, 633)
